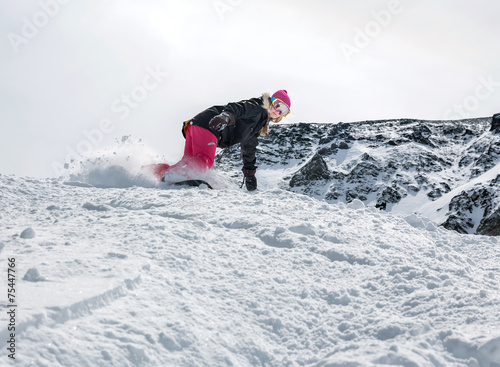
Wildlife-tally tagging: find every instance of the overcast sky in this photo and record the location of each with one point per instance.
(77, 75)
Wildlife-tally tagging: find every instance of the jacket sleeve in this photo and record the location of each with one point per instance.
(248, 150)
(242, 110)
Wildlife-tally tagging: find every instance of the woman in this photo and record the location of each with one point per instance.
(223, 126)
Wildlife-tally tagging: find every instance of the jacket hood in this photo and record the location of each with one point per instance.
(266, 100)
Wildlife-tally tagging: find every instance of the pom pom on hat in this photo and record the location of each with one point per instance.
(283, 96)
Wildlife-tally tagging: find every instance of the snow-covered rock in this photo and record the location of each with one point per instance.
(28, 233)
(495, 124)
(33, 275)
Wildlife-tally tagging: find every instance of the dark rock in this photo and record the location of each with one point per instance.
(495, 123)
(487, 160)
(490, 226)
(462, 206)
(337, 175)
(421, 134)
(314, 170)
(459, 224)
(350, 195)
(461, 203)
(331, 150)
(388, 195)
(421, 179)
(333, 195)
(367, 169)
(439, 191)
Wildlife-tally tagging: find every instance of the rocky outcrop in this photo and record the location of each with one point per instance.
(390, 164)
(314, 170)
(495, 124)
(490, 226)
(463, 207)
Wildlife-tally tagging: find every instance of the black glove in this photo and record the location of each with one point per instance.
(219, 122)
(249, 180)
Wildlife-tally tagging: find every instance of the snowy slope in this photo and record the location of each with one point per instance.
(149, 276)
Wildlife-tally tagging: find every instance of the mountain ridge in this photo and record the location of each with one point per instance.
(399, 165)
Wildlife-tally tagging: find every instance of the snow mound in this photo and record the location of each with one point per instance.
(142, 276)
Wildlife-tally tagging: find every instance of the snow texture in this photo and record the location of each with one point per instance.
(122, 271)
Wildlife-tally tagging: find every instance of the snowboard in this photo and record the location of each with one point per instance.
(159, 169)
(193, 183)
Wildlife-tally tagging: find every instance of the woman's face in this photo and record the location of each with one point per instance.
(274, 113)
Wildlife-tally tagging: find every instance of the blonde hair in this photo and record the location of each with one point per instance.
(265, 129)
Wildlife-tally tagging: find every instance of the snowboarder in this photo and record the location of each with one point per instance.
(223, 126)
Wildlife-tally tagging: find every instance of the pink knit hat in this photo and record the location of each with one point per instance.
(283, 96)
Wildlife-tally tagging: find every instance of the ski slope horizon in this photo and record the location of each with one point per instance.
(144, 275)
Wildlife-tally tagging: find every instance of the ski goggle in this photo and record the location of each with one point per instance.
(280, 106)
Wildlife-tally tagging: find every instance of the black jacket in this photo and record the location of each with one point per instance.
(250, 117)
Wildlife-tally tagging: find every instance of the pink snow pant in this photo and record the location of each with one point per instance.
(199, 153)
